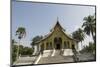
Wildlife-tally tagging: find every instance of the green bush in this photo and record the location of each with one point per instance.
(89, 49)
(14, 52)
(22, 51)
(26, 51)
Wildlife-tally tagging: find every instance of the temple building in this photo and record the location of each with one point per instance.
(56, 40)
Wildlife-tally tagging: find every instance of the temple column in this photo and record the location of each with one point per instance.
(39, 47)
(44, 46)
(70, 45)
(53, 45)
(62, 45)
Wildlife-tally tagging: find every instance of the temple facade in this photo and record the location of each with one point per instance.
(57, 39)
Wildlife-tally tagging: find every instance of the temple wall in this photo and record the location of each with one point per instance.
(57, 33)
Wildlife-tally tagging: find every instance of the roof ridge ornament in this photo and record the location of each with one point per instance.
(57, 24)
(57, 20)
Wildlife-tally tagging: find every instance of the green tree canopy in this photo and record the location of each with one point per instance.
(89, 26)
(89, 48)
(36, 39)
(21, 32)
(78, 35)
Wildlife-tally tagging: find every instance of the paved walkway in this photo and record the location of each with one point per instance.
(24, 60)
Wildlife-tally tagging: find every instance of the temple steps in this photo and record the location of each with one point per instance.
(56, 59)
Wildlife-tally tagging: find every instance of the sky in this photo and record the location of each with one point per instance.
(39, 18)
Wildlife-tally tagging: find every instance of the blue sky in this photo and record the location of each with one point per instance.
(39, 18)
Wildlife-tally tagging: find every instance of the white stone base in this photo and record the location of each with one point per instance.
(53, 53)
(67, 52)
(39, 57)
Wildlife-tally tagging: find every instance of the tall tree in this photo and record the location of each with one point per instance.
(89, 26)
(35, 39)
(78, 35)
(21, 33)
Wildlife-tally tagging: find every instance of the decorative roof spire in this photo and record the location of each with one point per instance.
(57, 18)
(57, 25)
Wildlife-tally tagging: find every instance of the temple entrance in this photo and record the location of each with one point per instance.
(58, 46)
(73, 47)
(57, 43)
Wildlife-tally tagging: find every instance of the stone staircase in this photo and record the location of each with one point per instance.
(57, 58)
(47, 53)
(57, 52)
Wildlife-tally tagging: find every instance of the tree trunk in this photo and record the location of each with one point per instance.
(81, 45)
(93, 37)
(18, 50)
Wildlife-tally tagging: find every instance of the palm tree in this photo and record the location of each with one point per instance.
(78, 35)
(75, 35)
(21, 32)
(89, 26)
(81, 35)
